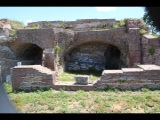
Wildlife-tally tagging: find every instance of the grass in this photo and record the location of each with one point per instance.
(68, 76)
(110, 101)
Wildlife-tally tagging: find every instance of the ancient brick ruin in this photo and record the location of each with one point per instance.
(91, 44)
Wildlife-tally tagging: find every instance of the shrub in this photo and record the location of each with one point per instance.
(7, 87)
(122, 22)
(34, 26)
(142, 31)
(57, 48)
(63, 25)
(126, 19)
(116, 26)
(93, 28)
(48, 24)
(156, 35)
(16, 24)
(69, 27)
(151, 51)
(102, 25)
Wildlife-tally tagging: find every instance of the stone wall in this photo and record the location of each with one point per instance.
(126, 38)
(86, 24)
(31, 77)
(93, 56)
(6, 64)
(115, 37)
(52, 33)
(6, 52)
(146, 76)
(87, 56)
(150, 50)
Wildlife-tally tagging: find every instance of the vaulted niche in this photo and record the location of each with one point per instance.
(112, 56)
(93, 56)
(30, 52)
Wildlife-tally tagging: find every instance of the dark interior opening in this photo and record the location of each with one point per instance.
(112, 56)
(93, 56)
(30, 52)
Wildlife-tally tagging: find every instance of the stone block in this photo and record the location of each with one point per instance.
(112, 72)
(82, 79)
(132, 71)
(149, 67)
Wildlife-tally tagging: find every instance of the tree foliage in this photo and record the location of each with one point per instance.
(149, 22)
(151, 17)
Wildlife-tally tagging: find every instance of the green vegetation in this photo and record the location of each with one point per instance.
(156, 35)
(147, 19)
(16, 24)
(110, 101)
(34, 26)
(13, 33)
(151, 51)
(116, 25)
(69, 75)
(93, 28)
(69, 27)
(142, 31)
(57, 48)
(63, 25)
(48, 24)
(122, 23)
(102, 25)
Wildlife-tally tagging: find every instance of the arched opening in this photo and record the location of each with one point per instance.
(112, 56)
(30, 52)
(93, 56)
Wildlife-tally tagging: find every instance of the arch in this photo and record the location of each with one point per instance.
(29, 52)
(112, 56)
(93, 55)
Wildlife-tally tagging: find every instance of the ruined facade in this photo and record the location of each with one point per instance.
(78, 45)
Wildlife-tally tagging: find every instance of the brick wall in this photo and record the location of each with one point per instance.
(31, 77)
(145, 76)
(150, 42)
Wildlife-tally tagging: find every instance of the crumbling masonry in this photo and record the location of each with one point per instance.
(127, 58)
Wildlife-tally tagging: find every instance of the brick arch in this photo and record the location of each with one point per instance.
(116, 37)
(98, 41)
(101, 44)
(29, 51)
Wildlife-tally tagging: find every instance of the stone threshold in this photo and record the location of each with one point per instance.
(72, 86)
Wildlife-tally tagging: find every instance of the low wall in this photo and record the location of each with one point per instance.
(146, 76)
(150, 50)
(6, 64)
(31, 77)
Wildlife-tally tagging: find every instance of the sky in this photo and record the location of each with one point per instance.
(35, 14)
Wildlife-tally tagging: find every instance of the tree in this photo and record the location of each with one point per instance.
(153, 13)
(148, 20)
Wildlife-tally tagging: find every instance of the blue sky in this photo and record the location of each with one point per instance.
(33, 14)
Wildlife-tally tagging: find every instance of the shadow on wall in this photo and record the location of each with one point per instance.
(93, 56)
(30, 52)
(112, 56)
